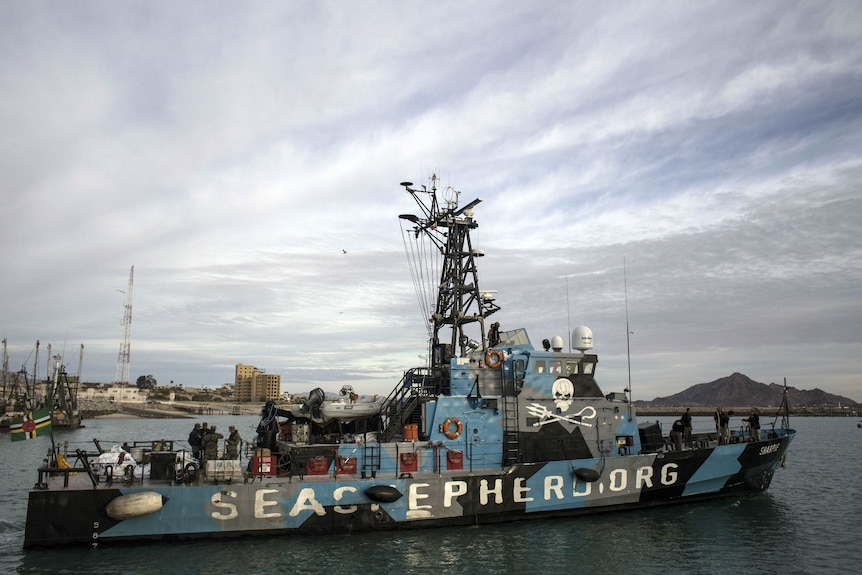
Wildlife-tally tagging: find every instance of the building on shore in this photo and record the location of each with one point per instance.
(114, 394)
(254, 384)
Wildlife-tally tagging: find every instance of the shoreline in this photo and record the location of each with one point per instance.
(185, 410)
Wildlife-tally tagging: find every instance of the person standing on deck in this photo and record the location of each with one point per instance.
(211, 445)
(722, 426)
(676, 432)
(686, 423)
(494, 334)
(754, 425)
(196, 441)
(232, 444)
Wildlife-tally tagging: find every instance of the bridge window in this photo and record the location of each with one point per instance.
(556, 367)
(540, 367)
(571, 368)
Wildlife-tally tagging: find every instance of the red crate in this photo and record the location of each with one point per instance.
(263, 465)
(317, 465)
(454, 460)
(409, 462)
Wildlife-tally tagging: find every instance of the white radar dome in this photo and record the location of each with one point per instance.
(557, 343)
(582, 338)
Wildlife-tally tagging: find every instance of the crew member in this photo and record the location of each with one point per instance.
(211, 445)
(676, 435)
(232, 444)
(196, 441)
(494, 334)
(686, 423)
(754, 425)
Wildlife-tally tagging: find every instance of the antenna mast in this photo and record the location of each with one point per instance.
(124, 357)
(628, 333)
(460, 303)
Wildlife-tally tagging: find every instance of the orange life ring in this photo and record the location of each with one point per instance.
(494, 358)
(446, 428)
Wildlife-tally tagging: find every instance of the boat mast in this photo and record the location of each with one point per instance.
(32, 394)
(460, 303)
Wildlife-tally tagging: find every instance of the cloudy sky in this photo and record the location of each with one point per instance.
(232, 152)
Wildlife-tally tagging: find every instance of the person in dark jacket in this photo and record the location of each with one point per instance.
(722, 426)
(754, 425)
(196, 441)
(686, 423)
(676, 435)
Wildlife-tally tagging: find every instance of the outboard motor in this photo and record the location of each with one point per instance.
(267, 429)
(314, 401)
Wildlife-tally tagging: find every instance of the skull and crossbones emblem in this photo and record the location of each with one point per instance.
(563, 393)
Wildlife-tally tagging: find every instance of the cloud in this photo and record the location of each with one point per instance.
(233, 155)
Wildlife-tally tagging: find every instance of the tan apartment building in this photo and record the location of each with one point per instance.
(253, 384)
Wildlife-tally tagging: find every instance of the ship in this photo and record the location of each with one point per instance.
(22, 396)
(61, 395)
(489, 429)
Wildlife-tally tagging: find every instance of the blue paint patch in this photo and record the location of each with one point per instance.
(174, 516)
(711, 476)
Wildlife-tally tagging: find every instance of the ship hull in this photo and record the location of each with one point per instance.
(342, 503)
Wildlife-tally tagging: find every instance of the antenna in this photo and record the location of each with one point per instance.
(124, 357)
(628, 332)
(568, 314)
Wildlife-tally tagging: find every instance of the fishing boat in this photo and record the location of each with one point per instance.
(19, 395)
(61, 395)
(490, 429)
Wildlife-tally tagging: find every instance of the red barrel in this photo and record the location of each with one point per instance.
(411, 432)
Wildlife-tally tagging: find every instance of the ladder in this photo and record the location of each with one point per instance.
(511, 445)
(370, 458)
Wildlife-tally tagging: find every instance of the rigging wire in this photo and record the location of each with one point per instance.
(424, 262)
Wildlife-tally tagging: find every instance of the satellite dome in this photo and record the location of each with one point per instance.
(582, 338)
(557, 343)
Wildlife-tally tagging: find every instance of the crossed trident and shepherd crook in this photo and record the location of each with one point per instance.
(546, 416)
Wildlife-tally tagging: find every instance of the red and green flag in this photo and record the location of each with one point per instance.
(31, 425)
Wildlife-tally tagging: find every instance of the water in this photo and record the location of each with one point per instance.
(806, 523)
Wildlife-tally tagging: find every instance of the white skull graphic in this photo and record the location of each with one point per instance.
(563, 393)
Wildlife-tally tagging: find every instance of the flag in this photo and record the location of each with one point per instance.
(33, 424)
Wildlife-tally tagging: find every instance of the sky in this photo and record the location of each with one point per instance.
(684, 173)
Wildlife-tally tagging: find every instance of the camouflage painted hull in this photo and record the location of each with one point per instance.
(342, 503)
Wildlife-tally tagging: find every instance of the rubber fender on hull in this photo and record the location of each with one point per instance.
(135, 505)
(587, 474)
(383, 493)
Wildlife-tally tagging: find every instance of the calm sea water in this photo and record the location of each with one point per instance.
(806, 523)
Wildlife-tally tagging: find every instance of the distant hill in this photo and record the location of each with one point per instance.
(740, 390)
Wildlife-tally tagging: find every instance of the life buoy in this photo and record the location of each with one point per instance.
(494, 358)
(190, 471)
(447, 430)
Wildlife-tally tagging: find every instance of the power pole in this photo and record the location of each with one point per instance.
(124, 358)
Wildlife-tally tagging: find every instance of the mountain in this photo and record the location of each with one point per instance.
(740, 390)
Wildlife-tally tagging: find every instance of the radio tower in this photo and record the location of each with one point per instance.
(126, 345)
